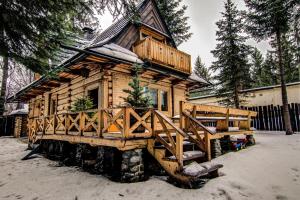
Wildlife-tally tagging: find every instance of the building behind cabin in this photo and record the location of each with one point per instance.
(263, 96)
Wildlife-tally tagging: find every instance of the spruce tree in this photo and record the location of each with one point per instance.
(231, 65)
(201, 70)
(269, 18)
(31, 31)
(137, 97)
(257, 67)
(270, 73)
(177, 21)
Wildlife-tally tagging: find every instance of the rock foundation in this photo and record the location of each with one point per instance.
(132, 167)
(216, 149)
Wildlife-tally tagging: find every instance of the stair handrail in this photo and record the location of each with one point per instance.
(181, 132)
(207, 134)
(197, 122)
(179, 138)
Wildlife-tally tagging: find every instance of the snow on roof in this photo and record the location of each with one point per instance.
(117, 51)
(196, 78)
(23, 111)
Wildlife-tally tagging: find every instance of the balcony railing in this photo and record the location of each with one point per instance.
(163, 54)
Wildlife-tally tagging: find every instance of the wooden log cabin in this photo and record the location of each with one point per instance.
(101, 68)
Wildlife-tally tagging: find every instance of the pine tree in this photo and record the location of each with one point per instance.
(137, 96)
(232, 66)
(257, 67)
(269, 18)
(31, 31)
(174, 15)
(201, 70)
(270, 73)
(289, 59)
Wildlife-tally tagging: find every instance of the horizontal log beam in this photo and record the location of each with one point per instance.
(84, 72)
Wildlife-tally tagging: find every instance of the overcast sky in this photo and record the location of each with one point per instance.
(203, 16)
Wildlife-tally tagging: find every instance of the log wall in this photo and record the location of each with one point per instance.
(111, 84)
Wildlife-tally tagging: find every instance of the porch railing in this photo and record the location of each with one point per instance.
(117, 122)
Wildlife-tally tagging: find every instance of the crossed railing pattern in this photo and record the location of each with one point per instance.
(119, 121)
(126, 123)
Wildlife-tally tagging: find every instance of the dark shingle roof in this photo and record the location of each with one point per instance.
(113, 30)
(110, 32)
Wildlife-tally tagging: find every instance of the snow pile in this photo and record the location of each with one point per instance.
(194, 169)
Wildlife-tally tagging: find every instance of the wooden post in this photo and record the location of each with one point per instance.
(54, 124)
(194, 113)
(207, 145)
(179, 149)
(222, 125)
(153, 123)
(67, 123)
(179, 137)
(181, 119)
(126, 122)
(81, 123)
(44, 125)
(100, 122)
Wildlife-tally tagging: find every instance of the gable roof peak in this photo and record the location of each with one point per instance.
(117, 27)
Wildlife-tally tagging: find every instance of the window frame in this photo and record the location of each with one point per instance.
(159, 97)
(93, 87)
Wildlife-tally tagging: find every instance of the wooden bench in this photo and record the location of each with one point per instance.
(222, 116)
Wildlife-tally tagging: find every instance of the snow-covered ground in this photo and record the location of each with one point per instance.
(269, 170)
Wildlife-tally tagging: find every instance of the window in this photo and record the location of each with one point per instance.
(143, 36)
(37, 108)
(52, 106)
(154, 97)
(93, 94)
(159, 98)
(164, 100)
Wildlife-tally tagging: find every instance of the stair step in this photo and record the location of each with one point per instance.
(174, 134)
(195, 169)
(185, 143)
(188, 155)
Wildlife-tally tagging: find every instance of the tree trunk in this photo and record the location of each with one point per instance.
(3, 84)
(236, 97)
(285, 103)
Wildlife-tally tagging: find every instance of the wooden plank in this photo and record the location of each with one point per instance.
(276, 118)
(282, 119)
(261, 119)
(292, 117)
(297, 114)
(120, 144)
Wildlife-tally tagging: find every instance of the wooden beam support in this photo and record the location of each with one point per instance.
(64, 80)
(178, 81)
(160, 77)
(52, 84)
(84, 72)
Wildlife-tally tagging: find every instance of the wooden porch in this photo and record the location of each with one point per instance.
(129, 128)
(168, 140)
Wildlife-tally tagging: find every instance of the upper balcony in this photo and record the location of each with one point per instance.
(162, 54)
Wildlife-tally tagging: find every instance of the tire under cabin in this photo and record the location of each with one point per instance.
(112, 137)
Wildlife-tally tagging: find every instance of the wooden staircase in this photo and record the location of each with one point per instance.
(176, 149)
